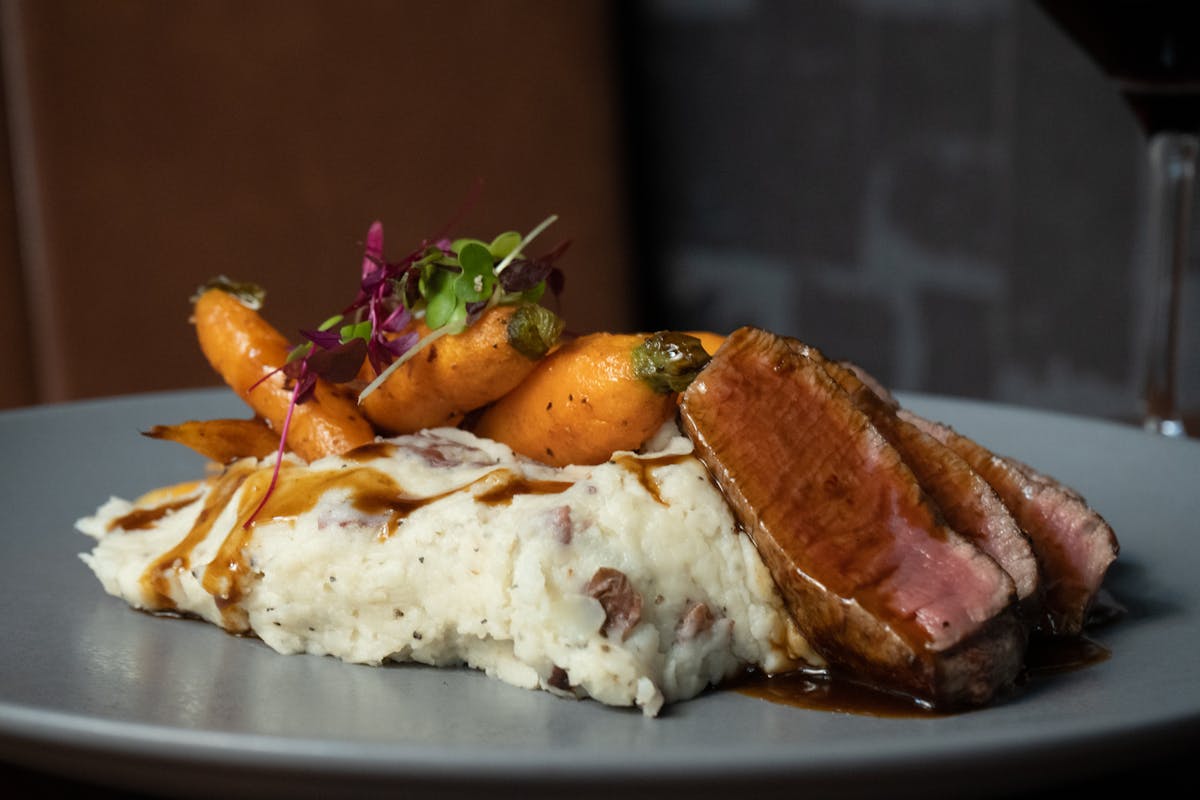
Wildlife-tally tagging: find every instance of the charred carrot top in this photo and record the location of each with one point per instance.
(668, 361)
(533, 330)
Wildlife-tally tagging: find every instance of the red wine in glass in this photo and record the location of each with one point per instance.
(1150, 49)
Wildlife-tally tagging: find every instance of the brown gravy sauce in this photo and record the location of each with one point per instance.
(1045, 658)
(1049, 656)
(818, 691)
(155, 580)
(141, 518)
(641, 469)
(512, 485)
(370, 491)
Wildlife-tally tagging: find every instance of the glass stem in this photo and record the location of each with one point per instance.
(1172, 183)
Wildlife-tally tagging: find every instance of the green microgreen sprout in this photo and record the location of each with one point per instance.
(449, 284)
(455, 288)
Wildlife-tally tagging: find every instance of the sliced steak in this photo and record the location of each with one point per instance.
(1073, 544)
(872, 383)
(969, 504)
(880, 586)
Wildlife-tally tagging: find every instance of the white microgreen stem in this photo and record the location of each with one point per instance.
(493, 300)
(401, 361)
(529, 237)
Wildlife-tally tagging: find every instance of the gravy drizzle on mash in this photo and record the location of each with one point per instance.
(443, 548)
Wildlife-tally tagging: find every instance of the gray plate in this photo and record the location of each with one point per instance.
(94, 690)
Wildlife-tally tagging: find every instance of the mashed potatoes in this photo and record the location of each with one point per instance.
(627, 582)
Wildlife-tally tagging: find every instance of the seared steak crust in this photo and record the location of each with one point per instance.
(881, 587)
(1073, 544)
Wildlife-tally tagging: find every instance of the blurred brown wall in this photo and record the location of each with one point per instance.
(16, 357)
(154, 145)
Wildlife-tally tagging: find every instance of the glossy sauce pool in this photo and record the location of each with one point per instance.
(817, 691)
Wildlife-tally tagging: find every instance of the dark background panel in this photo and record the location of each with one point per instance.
(947, 192)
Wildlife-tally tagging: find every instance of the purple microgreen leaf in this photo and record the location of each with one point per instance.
(382, 351)
(448, 282)
(322, 339)
(430, 338)
(556, 281)
(406, 287)
(305, 385)
(529, 237)
(524, 274)
(400, 344)
(374, 269)
(338, 364)
(554, 255)
(388, 295)
(396, 321)
(294, 369)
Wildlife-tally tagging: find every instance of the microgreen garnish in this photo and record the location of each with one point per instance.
(457, 281)
(448, 284)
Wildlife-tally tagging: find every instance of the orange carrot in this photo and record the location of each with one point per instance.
(593, 396)
(461, 372)
(246, 351)
(221, 440)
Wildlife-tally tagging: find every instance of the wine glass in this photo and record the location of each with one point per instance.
(1150, 49)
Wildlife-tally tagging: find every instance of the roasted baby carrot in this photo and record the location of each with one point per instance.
(593, 396)
(461, 372)
(247, 352)
(222, 440)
